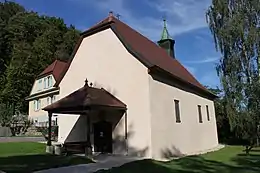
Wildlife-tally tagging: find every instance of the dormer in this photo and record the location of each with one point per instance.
(47, 79)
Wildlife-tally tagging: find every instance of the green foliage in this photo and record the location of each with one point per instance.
(6, 115)
(223, 123)
(28, 44)
(7, 11)
(19, 124)
(235, 27)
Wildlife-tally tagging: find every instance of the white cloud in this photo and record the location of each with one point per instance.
(182, 15)
(203, 61)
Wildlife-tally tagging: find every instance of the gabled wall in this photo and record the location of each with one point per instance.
(104, 61)
(35, 88)
(40, 114)
(188, 137)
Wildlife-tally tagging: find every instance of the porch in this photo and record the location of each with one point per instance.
(103, 115)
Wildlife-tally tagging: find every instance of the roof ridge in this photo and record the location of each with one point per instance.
(116, 20)
(55, 63)
(143, 49)
(158, 63)
(54, 68)
(101, 22)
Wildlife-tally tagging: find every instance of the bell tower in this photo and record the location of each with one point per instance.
(166, 42)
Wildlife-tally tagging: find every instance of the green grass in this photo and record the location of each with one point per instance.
(19, 157)
(230, 159)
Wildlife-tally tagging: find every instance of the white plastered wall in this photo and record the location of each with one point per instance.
(104, 61)
(188, 137)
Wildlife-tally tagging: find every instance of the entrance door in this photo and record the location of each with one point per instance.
(103, 137)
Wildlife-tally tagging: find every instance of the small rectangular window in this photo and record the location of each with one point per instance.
(45, 83)
(49, 82)
(177, 111)
(207, 109)
(53, 99)
(48, 100)
(39, 85)
(35, 105)
(200, 115)
(39, 105)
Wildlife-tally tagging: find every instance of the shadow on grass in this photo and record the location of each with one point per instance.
(192, 164)
(255, 150)
(30, 163)
(251, 160)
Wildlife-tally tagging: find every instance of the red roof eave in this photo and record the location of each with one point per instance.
(147, 52)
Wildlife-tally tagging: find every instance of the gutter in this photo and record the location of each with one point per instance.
(45, 93)
(156, 69)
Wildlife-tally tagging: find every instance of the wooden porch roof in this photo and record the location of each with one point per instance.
(86, 98)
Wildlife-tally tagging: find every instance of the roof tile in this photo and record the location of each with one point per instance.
(84, 98)
(55, 69)
(144, 49)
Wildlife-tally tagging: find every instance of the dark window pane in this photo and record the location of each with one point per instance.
(207, 109)
(177, 111)
(200, 115)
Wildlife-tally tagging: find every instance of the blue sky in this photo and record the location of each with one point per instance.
(186, 23)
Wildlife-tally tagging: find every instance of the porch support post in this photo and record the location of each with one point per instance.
(88, 127)
(49, 129)
(126, 143)
(89, 147)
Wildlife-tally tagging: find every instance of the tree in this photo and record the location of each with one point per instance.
(225, 134)
(235, 27)
(6, 115)
(28, 44)
(7, 11)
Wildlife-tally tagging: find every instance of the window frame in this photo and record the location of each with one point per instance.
(53, 99)
(177, 111)
(200, 114)
(45, 81)
(49, 79)
(35, 105)
(207, 112)
(39, 85)
(48, 100)
(39, 104)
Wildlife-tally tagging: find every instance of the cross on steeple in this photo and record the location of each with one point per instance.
(166, 42)
(165, 34)
(118, 16)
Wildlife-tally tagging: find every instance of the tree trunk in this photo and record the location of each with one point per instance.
(248, 149)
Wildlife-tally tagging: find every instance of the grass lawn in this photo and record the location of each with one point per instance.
(27, 157)
(230, 159)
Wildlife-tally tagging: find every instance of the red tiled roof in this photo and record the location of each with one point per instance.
(85, 98)
(146, 51)
(56, 68)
